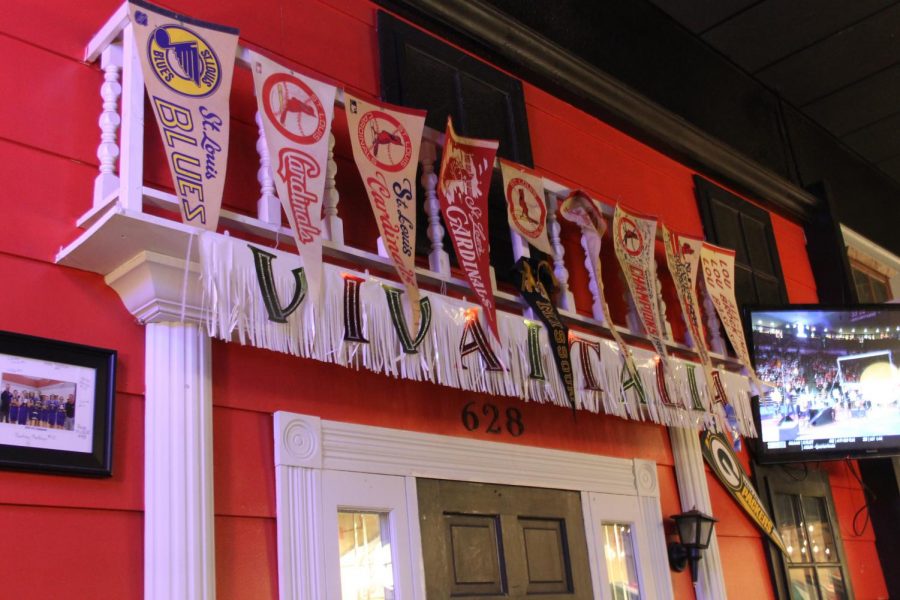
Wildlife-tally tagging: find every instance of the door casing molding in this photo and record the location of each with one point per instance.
(305, 446)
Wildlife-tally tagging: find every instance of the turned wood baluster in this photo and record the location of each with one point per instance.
(108, 151)
(268, 207)
(713, 324)
(566, 299)
(334, 226)
(438, 259)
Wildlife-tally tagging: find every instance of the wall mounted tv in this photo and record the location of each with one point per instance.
(836, 373)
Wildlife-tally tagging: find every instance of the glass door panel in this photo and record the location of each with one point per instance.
(621, 567)
(367, 571)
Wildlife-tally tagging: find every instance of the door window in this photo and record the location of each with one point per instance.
(618, 550)
(366, 537)
(367, 571)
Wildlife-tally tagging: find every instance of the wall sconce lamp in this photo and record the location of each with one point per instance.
(694, 530)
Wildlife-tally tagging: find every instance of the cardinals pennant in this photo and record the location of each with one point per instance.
(386, 141)
(296, 112)
(718, 275)
(526, 208)
(634, 239)
(187, 67)
(463, 185)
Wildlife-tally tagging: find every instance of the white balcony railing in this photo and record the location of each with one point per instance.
(120, 195)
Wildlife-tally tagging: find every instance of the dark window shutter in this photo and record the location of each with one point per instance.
(731, 222)
(420, 71)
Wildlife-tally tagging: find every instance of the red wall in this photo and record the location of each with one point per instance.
(48, 139)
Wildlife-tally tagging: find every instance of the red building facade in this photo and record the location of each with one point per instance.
(95, 529)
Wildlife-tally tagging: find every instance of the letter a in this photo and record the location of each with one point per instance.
(262, 260)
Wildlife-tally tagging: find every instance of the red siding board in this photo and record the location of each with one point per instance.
(285, 383)
(39, 209)
(53, 553)
(865, 570)
(123, 491)
(745, 567)
(243, 463)
(63, 27)
(49, 102)
(246, 559)
(73, 306)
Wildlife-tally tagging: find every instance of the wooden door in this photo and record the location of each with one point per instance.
(497, 541)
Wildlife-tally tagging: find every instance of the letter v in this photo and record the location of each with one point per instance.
(262, 260)
(395, 306)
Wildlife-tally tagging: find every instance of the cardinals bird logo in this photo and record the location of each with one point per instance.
(293, 108)
(525, 207)
(630, 237)
(384, 141)
(686, 249)
(183, 61)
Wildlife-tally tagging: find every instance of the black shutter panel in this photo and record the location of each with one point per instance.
(731, 222)
(420, 71)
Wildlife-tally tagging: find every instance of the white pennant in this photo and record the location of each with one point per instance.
(296, 112)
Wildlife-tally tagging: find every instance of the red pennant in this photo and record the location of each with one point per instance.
(466, 168)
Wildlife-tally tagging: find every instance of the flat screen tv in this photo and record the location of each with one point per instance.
(836, 378)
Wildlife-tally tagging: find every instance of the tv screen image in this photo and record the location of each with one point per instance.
(836, 378)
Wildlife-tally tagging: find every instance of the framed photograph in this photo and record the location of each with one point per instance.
(56, 406)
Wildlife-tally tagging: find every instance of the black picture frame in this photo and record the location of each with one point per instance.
(55, 436)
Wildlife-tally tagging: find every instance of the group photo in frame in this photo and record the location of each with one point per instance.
(56, 406)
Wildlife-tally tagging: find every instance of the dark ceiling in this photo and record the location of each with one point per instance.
(837, 61)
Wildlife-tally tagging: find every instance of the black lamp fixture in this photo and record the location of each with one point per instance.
(694, 530)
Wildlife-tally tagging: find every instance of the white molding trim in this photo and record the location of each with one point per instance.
(179, 538)
(305, 446)
(155, 288)
(890, 261)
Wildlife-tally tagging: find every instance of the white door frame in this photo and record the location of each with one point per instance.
(305, 446)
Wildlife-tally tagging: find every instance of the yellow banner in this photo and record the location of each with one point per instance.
(386, 141)
(718, 275)
(187, 67)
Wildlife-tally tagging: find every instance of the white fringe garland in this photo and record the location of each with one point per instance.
(235, 309)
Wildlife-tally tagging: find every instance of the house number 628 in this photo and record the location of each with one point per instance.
(492, 419)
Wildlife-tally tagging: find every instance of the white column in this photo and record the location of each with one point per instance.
(179, 546)
(694, 493)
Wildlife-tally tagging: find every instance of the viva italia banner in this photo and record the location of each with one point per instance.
(188, 66)
(386, 140)
(526, 208)
(254, 295)
(463, 185)
(296, 112)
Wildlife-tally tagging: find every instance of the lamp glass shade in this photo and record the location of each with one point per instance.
(694, 528)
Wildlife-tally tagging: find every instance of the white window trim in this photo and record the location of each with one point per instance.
(305, 446)
(885, 259)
